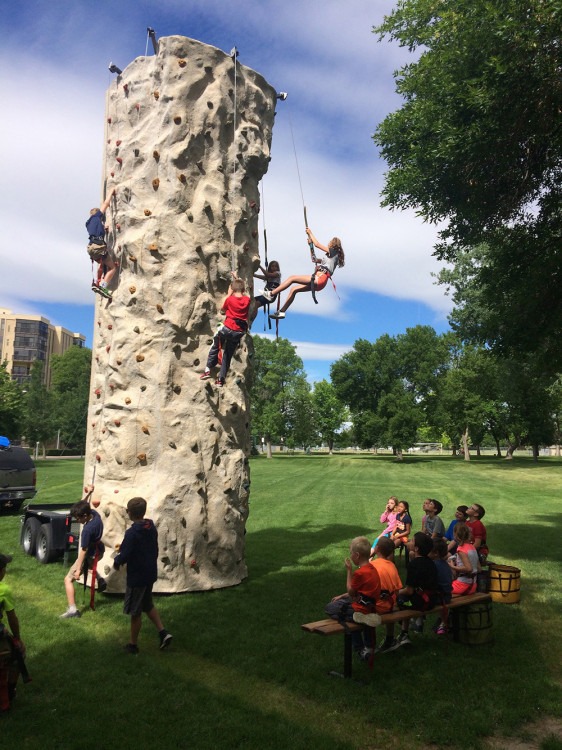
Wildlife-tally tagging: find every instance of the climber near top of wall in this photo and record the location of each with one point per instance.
(97, 247)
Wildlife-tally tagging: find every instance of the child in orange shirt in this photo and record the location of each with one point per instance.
(390, 585)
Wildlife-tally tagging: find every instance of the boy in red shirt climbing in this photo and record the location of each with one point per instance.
(235, 307)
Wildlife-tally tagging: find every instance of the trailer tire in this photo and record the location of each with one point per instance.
(29, 535)
(44, 551)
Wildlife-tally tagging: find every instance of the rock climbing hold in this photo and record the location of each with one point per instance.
(133, 259)
(119, 362)
(98, 458)
(182, 63)
(119, 160)
(172, 444)
(117, 422)
(103, 431)
(137, 106)
(182, 178)
(156, 155)
(127, 400)
(115, 491)
(99, 322)
(255, 233)
(177, 119)
(108, 347)
(109, 120)
(112, 174)
(157, 95)
(141, 457)
(136, 151)
(118, 227)
(110, 326)
(98, 392)
(153, 247)
(193, 564)
(143, 388)
(118, 143)
(160, 309)
(147, 212)
(177, 389)
(136, 329)
(145, 429)
(132, 289)
(155, 183)
(112, 386)
(246, 247)
(126, 88)
(140, 357)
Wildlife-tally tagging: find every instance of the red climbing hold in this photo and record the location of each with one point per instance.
(119, 160)
(118, 143)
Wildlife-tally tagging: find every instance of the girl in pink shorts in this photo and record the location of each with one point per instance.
(464, 564)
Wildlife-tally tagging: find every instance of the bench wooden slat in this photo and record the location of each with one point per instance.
(333, 627)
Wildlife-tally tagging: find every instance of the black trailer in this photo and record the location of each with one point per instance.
(48, 531)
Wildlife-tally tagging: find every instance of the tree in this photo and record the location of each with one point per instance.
(387, 385)
(477, 145)
(329, 412)
(38, 425)
(70, 390)
(11, 405)
(277, 373)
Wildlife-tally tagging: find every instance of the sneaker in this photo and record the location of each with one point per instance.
(371, 620)
(165, 639)
(389, 644)
(131, 648)
(365, 654)
(205, 375)
(404, 639)
(442, 630)
(277, 315)
(219, 382)
(70, 613)
(105, 292)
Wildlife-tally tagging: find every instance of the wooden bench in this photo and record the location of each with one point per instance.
(333, 627)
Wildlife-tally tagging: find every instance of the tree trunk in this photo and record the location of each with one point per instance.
(535, 453)
(269, 452)
(398, 453)
(465, 448)
(498, 448)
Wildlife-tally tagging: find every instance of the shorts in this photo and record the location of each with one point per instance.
(320, 280)
(138, 599)
(461, 589)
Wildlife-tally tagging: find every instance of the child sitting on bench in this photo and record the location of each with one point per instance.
(358, 604)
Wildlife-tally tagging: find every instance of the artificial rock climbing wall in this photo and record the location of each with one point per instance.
(187, 139)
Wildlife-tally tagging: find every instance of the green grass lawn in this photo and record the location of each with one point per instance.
(241, 674)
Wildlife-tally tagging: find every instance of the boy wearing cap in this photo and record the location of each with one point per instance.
(9, 671)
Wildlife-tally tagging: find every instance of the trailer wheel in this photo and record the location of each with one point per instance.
(29, 536)
(45, 552)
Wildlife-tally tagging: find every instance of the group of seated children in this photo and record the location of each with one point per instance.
(436, 568)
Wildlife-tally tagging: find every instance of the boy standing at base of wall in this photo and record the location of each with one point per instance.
(139, 552)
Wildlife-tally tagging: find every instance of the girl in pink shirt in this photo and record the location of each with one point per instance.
(389, 518)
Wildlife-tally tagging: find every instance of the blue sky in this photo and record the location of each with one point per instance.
(339, 78)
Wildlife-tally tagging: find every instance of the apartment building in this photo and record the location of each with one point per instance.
(24, 339)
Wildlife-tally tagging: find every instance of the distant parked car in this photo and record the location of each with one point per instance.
(17, 476)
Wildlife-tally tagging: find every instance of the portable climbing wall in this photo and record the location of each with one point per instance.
(187, 139)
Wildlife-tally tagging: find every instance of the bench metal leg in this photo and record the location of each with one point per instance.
(347, 658)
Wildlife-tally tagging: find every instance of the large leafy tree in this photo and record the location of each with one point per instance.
(329, 411)
(387, 385)
(11, 405)
(70, 389)
(477, 145)
(278, 376)
(38, 421)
